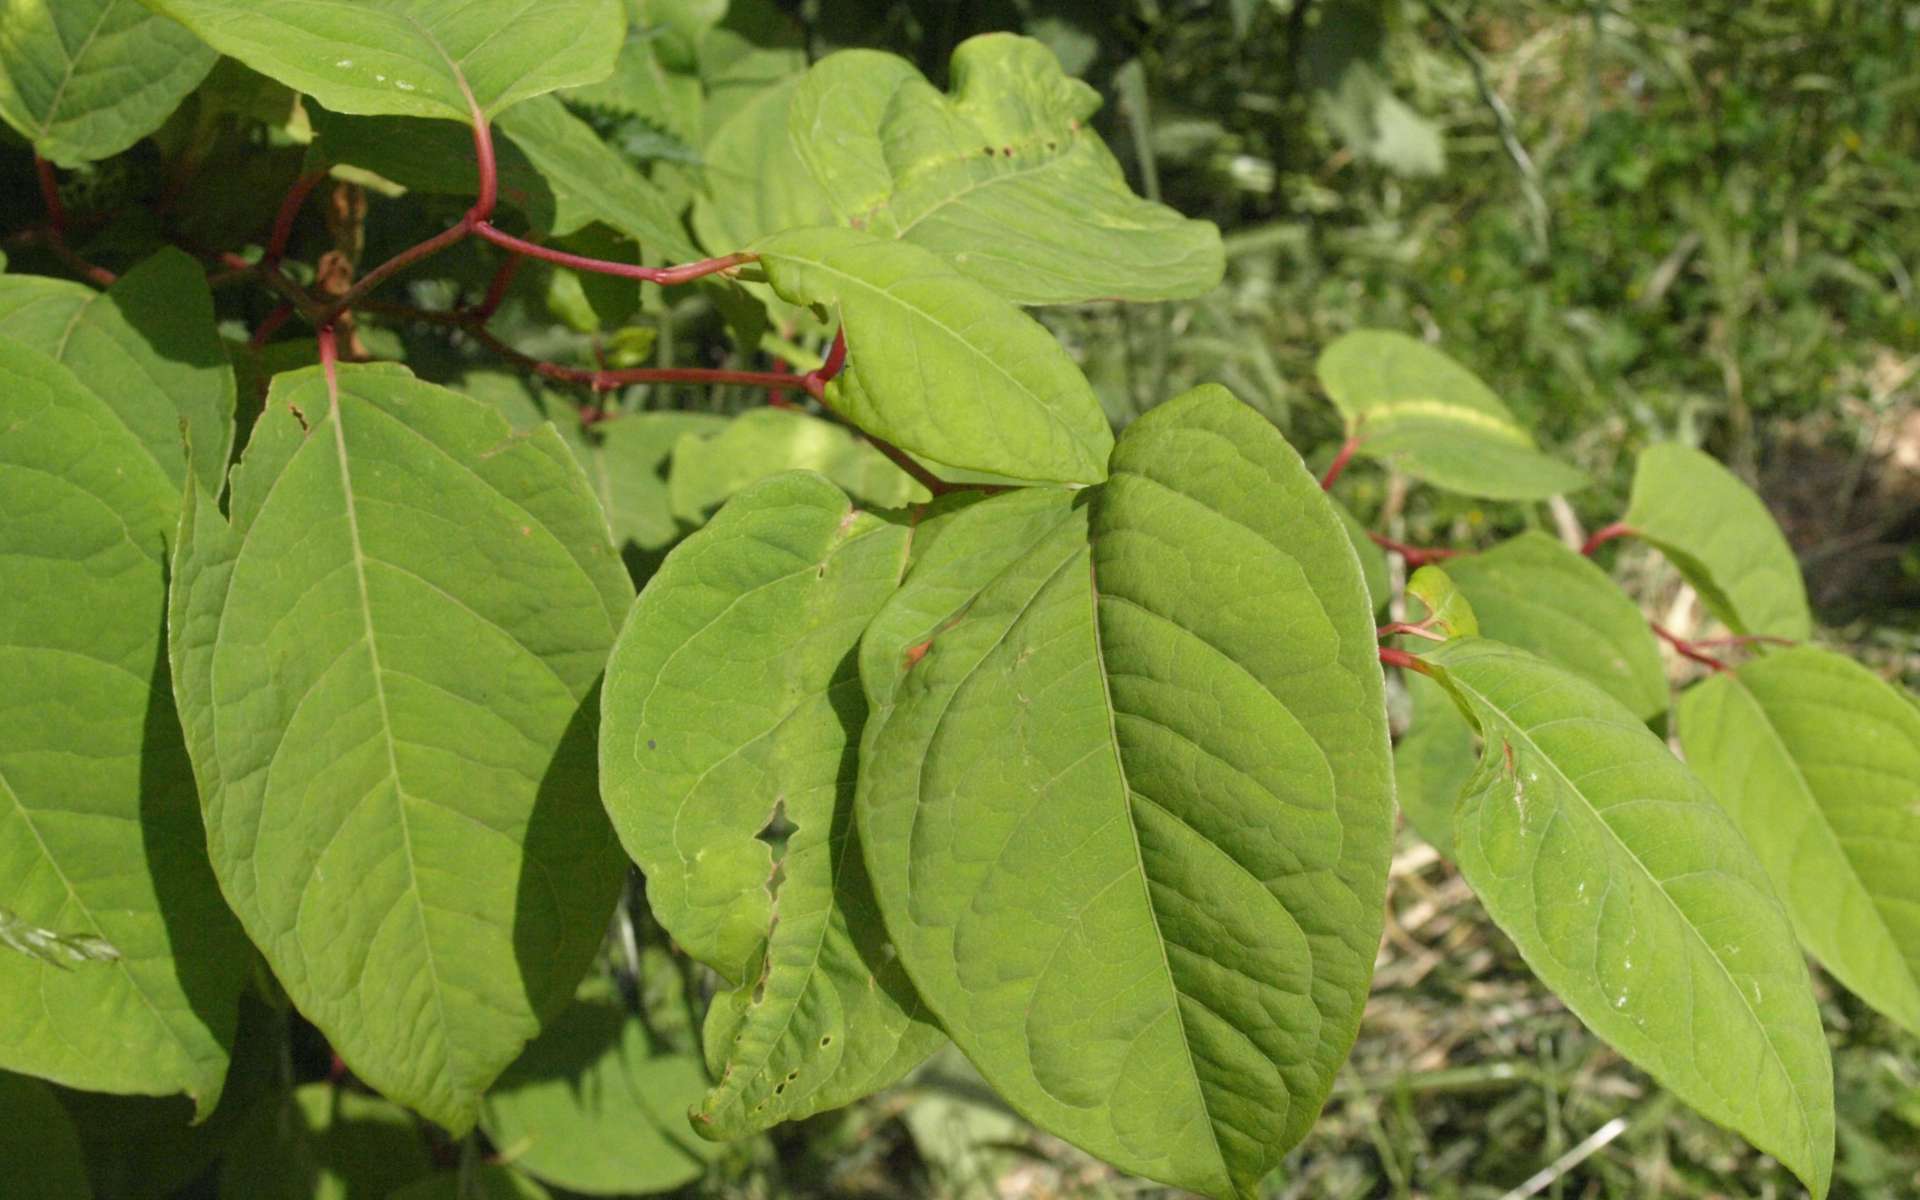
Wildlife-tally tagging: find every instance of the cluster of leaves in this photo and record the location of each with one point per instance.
(983, 725)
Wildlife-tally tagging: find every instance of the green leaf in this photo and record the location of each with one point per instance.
(1633, 896)
(591, 181)
(1722, 539)
(644, 85)
(488, 1182)
(1416, 408)
(835, 118)
(940, 366)
(99, 837)
(1130, 842)
(413, 58)
(324, 1143)
(594, 1107)
(1344, 59)
(1818, 760)
(1005, 179)
(709, 468)
(431, 157)
(1448, 608)
(407, 833)
(39, 1144)
(1432, 762)
(756, 183)
(732, 711)
(1373, 560)
(1534, 593)
(85, 79)
(147, 347)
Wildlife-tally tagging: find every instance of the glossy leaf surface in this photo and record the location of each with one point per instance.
(99, 831)
(1634, 897)
(413, 58)
(1127, 802)
(408, 834)
(733, 708)
(85, 79)
(940, 366)
(1721, 537)
(1418, 409)
(1818, 760)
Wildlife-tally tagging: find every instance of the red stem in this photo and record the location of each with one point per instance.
(1389, 657)
(1416, 556)
(1605, 534)
(488, 190)
(329, 361)
(1685, 648)
(497, 288)
(1339, 463)
(667, 276)
(50, 196)
(289, 213)
(270, 325)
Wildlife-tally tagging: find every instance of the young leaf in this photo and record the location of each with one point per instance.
(593, 1106)
(324, 1142)
(1818, 760)
(1722, 539)
(1432, 762)
(709, 467)
(386, 666)
(732, 711)
(940, 366)
(147, 347)
(1448, 610)
(1128, 808)
(39, 1144)
(1005, 179)
(99, 837)
(591, 181)
(414, 58)
(1633, 896)
(1431, 417)
(1534, 593)
(85, 79)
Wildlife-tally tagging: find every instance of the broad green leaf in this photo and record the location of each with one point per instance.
(1634, 897)
(1432, 762)
(99, 834)
(430, 157)
(594, 1106)
(85, 79)
(709, 467)
(1534, 593)
(644, 84)
(1373, 560)
(834, 119)
(386, 666)
(324, 1143)
(1418, 409)
(413, 58)
(39, 1146)
(1005, 179)
(732, 712)
(1818, 760)
(489, 1182)
(591, 181)
(1127, 801)
(756, 183)
(148, 348)
(1721, 537)
(940, 366)
(1448, 609)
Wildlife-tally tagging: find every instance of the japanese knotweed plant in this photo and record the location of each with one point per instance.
(941, 714)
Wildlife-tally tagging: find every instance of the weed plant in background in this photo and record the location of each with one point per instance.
(628, 598)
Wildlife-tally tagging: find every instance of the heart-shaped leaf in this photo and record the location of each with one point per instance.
(408, 834)
(732, 713)
(1418, 409)
(413, 58)
(1634, 897)
(1721, 537)
(1140, 881)
(940, 366)
(85, 79)
(1818, 760)
(99, 834)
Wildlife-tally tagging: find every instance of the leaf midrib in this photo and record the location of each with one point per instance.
(1686, 921)
(73, 64)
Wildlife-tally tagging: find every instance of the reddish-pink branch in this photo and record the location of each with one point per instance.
(1390, 657)
(497, 287)
(329, 360)
(1416, 556)
(50, 196)
(270, 325)
(1339, 463)
(666, 276)
(1605, 534)
(487, 190)
(56, 228)
(289, 213)
(1686, 649)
